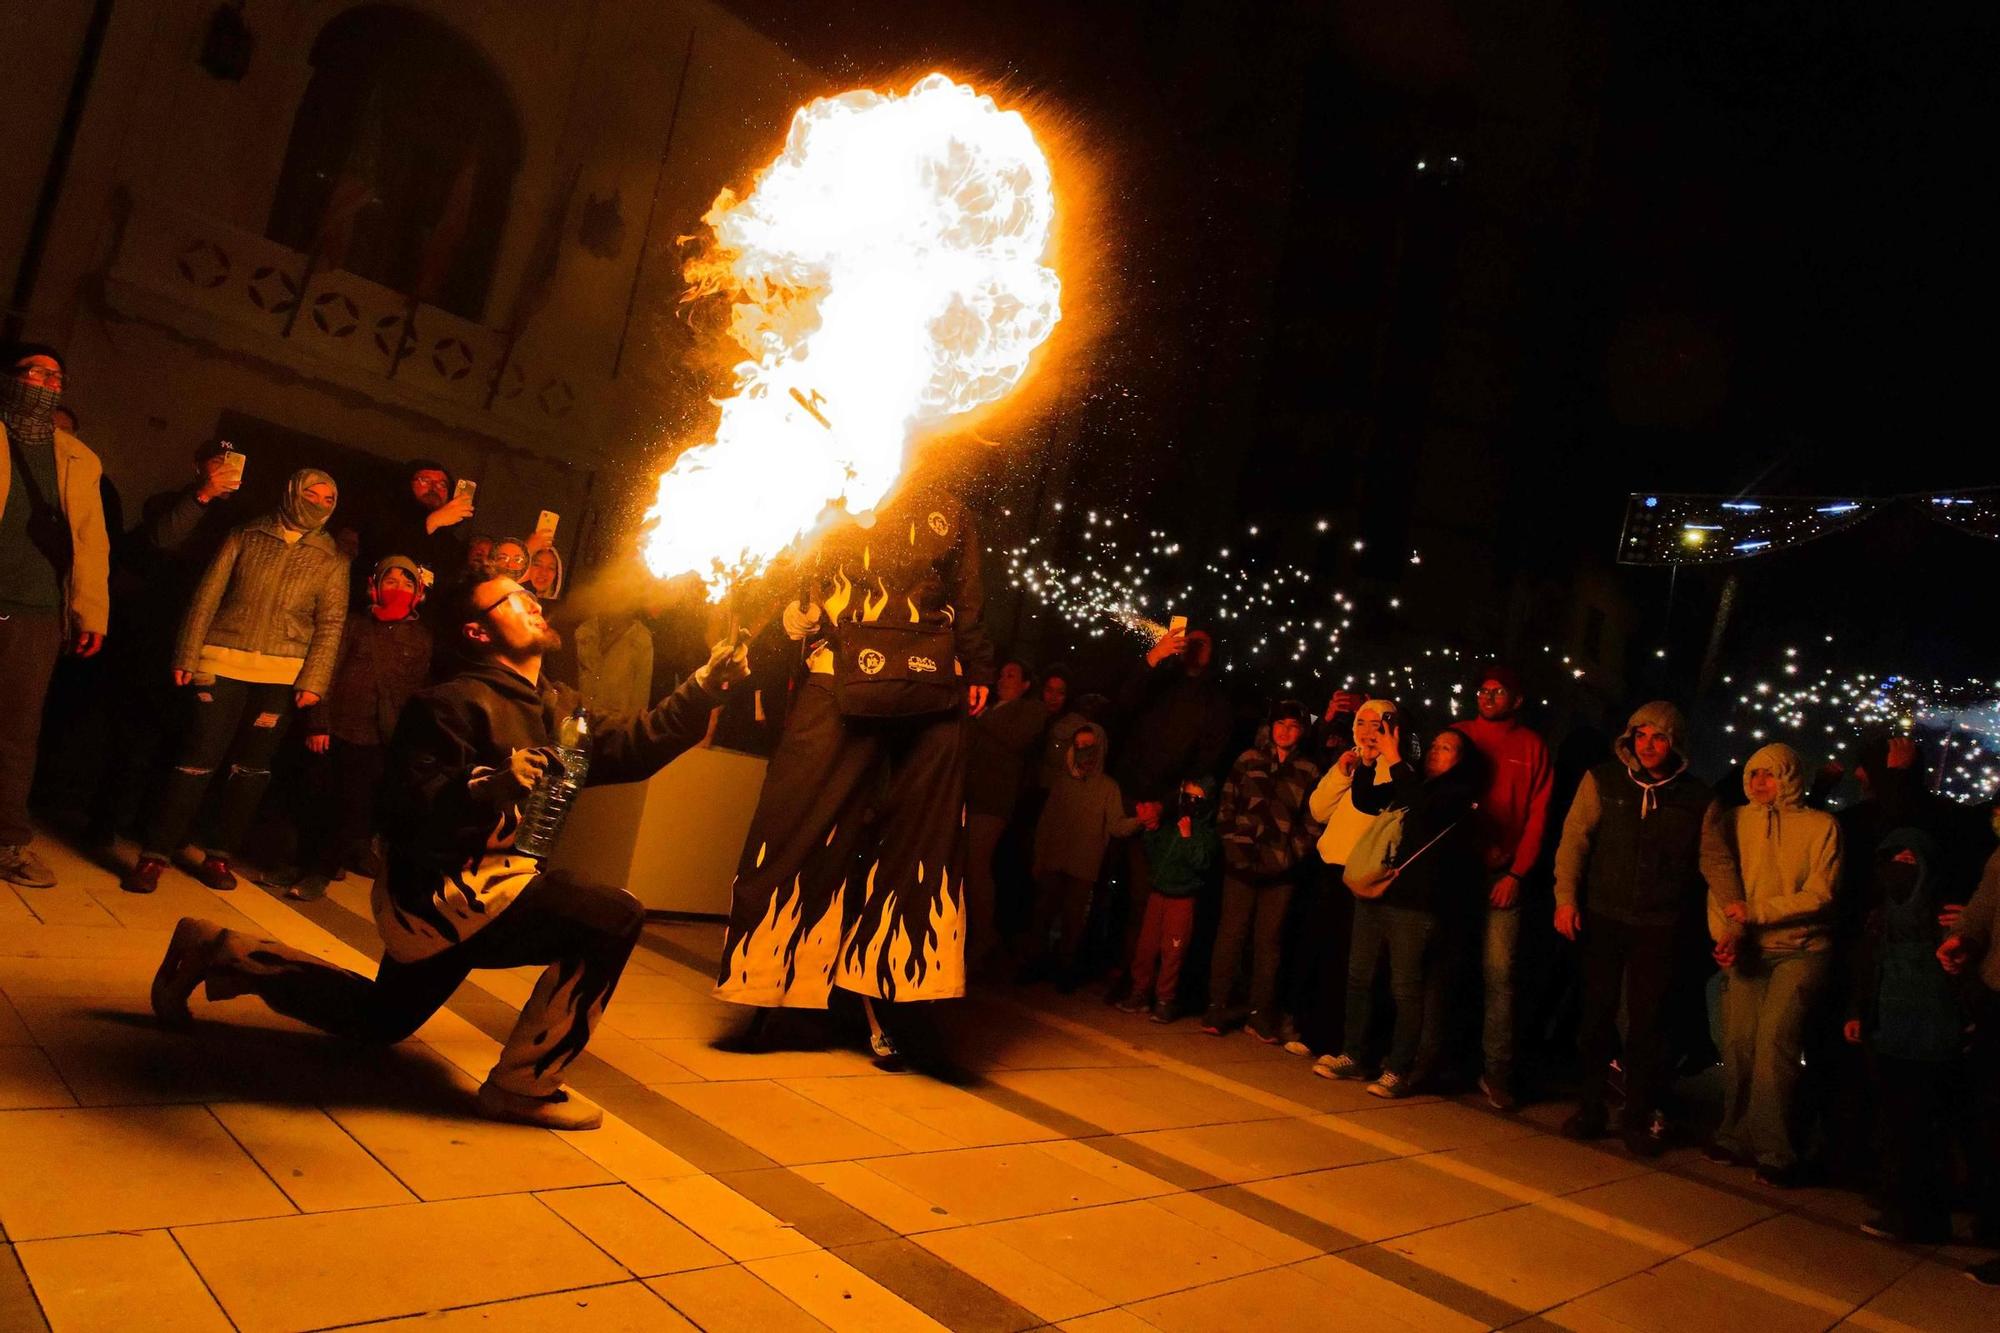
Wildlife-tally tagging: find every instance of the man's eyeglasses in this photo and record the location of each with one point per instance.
(531, 605)
(1494, 693)
(47, 377)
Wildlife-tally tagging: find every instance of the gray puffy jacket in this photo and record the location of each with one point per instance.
(266, 595)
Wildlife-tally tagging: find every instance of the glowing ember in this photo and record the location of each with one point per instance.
(887, 274)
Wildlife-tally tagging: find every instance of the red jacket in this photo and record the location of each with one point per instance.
(1515, 808)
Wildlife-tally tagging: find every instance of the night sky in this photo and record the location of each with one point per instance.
(1734, 248)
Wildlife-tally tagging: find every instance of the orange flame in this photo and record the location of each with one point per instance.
(888, 273)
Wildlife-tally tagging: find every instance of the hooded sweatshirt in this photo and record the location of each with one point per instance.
(1514, 809)
(1332, 802)
(1631, 846)
(1180, 862)
(1085, 811)
(1907, 1005)
(1265, 818)
(1786, 856)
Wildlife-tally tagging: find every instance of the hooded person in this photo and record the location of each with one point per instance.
(55, 569)
(1084, 812)
(1773, 944)
(1629, 874)
(260, 638)
(385, 658)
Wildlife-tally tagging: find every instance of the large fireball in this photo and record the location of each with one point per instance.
(887, 272)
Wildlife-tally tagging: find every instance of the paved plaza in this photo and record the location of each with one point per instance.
(1098, 1173)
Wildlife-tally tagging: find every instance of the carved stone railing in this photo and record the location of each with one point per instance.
(212, 282)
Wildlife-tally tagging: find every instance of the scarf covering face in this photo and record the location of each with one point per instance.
(1085, 761)
(29, 410)
(301, 514)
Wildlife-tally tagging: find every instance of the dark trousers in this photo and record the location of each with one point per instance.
(1253, 912)
(1635, 963)
(1406, 934)
(337, 817)
(236, 721)
(1913, 1136)
(804, 915)
(30, 642)
(1061, 901)
(1980, 1120)
(583, 932)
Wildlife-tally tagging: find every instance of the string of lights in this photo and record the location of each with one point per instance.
(1708, 529)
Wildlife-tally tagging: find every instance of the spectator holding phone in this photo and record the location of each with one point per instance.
(424, 524)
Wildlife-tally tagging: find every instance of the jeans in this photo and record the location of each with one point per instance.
(1503, 932)
(1763, 1029)
(30, 643)
(583, 932)
(1635, 964)
(233, 720)
(337, 817)
(1255, 912)
(1163, 940)
(1406, 934)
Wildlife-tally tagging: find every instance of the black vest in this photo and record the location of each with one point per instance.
(1645, 871)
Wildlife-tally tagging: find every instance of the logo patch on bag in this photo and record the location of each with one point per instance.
(870, 661)
(922, 664)
(938, 524)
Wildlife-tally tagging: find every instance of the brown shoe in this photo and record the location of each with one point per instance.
(215, 873)
(566, 1110)
(143, 877)
(184, 967)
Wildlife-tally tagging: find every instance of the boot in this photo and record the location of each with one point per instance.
(189, 954)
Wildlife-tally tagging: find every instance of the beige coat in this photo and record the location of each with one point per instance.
(88, 587)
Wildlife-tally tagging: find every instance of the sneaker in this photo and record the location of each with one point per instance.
(183, 968)
(1339, 1066)
(1163, 1012)
(215, 872)
(1297, 1046)
(1647, 1140)
(1888, 1228)
(1494, 1088)
(308, 889)
(1722, 1156)
(880, 1046)
(143, 877)
(1588, 1122)
(1391, 1085)
(565, 1110)
(1212, 1022)
(1133, 1002)
(1986, 1274)
(19, 865)
(1263, 1029)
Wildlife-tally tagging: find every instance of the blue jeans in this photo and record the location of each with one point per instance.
(1503, 932)
(1406, 934)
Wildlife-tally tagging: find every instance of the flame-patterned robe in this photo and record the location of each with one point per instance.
(852, 874)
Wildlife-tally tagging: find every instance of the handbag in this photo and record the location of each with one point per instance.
(1377, 856)
(889, 671)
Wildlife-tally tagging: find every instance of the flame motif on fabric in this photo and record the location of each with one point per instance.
(885, 273)
(873, 604)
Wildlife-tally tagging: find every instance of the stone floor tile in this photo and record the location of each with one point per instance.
(1679, 1297)
(1273, 1299)
(1107, 1321)
(705, 1061)
(89, 942)
(621, 1149)
(888, 1203)
(312, 1158)
(778, 1122)
(1259, 1150)
(688, 1018)
(987, 1184)
(1842, 1264)
(1127, 1252)
(628, 1307)
(733, 1300)
(820, 1217)
(636, 1060)
(840, 1295)
(1028, 1282)
(1936, 1297)
(23, 977)
(29, 1081)
(632, 1230)
(1105, 1158)
(13, 1032)
(1377, 1200)
(921, 1114)
(376, 1263)
(1211, 1212)
(1540, 1165)
(20, 1312)
(992, 1036)
(445, 1156)
(1686, 1210)
(1295, 1081)
(954, 1298)
(76, 1172)
(1130, 1101)
(100, 1282)
(724, 1218)
(1431, 1127)
(1527, 1257)
(1368, 1298)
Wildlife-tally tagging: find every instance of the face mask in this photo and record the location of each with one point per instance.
(1899, 880)
(1189, 803)
(1083, 760)
(394, 603)
(300, 513)
(29, 408)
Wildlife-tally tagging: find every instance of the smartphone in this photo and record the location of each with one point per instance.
(1177, 623)
(465, 490)
(545, 526)
(232, 464)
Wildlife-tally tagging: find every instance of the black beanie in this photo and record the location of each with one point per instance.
(19, 352)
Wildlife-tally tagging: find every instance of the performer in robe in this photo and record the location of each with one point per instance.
(852, 875)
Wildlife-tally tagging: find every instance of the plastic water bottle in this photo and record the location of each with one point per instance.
(547, 806)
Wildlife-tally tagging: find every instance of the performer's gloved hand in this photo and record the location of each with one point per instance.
(800, 621)
(729, 661)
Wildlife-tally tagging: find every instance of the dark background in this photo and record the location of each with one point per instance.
(1719, 248)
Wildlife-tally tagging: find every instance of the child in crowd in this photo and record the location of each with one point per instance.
(1085, 811)
(1180, 855)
